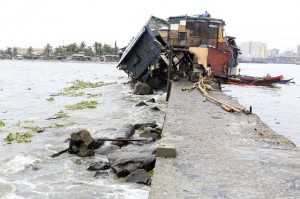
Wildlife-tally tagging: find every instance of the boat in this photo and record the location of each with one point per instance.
(285, 81)
(257, 81)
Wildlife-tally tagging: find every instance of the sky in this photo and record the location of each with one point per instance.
(36, 23)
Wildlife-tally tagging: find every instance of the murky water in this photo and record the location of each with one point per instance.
(279, 107)
(26, 169)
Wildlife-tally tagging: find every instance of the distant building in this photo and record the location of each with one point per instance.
(35, 51)
(288, 54)
(80, 56)
(110, 58)
(273, 52)
(253, 50)
(298, 49)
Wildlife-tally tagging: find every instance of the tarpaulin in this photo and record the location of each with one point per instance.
(201, 55)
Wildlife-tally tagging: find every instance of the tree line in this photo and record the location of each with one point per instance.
(96, 50)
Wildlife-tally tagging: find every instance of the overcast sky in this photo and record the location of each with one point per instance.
(35, 23)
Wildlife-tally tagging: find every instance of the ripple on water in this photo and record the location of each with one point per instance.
(18, 163)
(7, 190)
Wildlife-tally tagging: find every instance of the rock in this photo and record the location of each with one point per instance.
(98, 144)
(139, 176)
(125, 132)
(144, 125)
(101, 173)
(107, 150)
(148, 134)
(82, 144)
(84, 136)
(156, 130)
(141, 104)
(99, 166)
(142, 89)
(120, 143)
(155, 108)
(131, 158)
(151, 100)
(154, 82)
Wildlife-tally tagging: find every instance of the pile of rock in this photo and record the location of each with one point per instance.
(127, 159)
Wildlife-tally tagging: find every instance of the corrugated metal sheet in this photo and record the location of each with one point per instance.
(217, 58)
(138, 58)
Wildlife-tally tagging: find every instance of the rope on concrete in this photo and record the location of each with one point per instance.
(204, 89)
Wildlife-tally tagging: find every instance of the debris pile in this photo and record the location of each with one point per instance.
(177, 48)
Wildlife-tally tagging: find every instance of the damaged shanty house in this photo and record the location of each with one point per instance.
(190, 43)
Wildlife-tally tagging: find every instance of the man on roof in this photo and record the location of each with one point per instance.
(206, 14)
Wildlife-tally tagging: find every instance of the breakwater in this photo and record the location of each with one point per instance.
(221, 154)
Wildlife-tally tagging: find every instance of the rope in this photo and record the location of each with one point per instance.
(204, 91)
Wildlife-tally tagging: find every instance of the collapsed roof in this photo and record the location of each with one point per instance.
(194, 41)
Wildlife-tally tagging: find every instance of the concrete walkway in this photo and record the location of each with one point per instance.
(221, 154)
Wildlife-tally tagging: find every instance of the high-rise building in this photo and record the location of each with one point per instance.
(253, 50)
(273, 52)
(298, 49)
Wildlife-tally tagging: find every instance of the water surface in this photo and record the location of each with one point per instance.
(278, 106)
(26, 169)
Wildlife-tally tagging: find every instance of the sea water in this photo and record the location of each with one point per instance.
(26, 169)
(278, 106)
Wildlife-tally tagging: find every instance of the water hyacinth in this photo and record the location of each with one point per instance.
(18, 137)
(2, 123)
(82, 105)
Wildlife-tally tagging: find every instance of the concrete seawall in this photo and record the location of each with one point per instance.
(222, 154)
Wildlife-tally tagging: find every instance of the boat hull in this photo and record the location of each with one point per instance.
(257, 81)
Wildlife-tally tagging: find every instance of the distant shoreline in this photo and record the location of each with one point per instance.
(64, 61)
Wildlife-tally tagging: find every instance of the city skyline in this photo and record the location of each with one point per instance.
(60, 22)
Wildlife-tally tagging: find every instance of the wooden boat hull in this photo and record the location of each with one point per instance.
(257, 81)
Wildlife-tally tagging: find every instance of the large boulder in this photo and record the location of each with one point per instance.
(131, 158)
(83, 144)
(142, 89)
(139, 176)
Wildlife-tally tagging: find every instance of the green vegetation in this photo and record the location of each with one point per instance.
(96, 50)
(18, 137)
(56, 125)
(94, 95)
(140, 130)
(33, 128)
(77, 84)
(61, 114)
(161, 101)
(82, 105)
(2, 123)
(121, 179)
(151, 173)
(50, 99)
(29, 121)
(158, 129)
(71, 93)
